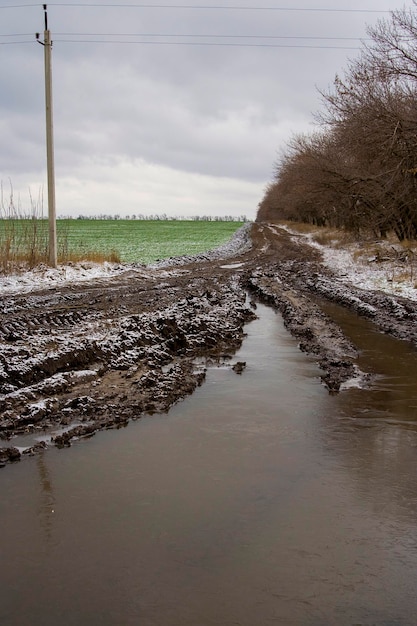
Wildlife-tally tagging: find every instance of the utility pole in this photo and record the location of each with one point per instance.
(47, 44)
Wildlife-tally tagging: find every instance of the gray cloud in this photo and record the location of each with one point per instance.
(184, 113)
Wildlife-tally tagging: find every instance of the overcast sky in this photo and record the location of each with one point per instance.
(159, 126)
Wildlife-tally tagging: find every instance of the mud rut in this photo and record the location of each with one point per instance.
(88, 356)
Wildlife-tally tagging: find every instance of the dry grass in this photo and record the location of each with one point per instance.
(300, 227)
(95, 257)
(24, 238)
(337, 238)
(327, 237)
(397, 259)
(22, 251)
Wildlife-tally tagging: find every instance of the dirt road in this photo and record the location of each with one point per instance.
(86, 356)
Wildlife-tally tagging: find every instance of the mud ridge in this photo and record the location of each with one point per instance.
(81, 357)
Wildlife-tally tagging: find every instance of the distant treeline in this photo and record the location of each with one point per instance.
(164, 217)
(358, 170)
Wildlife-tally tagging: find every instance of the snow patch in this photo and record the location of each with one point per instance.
(231, 266)
(360, 380)
(364, 274)
(44, 277)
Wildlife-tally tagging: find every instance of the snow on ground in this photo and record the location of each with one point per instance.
(391, 276)
(44, 277)
(387, 277)
(363, 271)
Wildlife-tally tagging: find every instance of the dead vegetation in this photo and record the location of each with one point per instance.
(24, 239)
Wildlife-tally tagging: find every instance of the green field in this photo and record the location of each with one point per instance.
(144, 241)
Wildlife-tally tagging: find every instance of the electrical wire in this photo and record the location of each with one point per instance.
(18, 6)
(195, 36)
(216, 7)
(206, 43)
(58, 37)
(201, 36)
(195, 7)
(191, 36)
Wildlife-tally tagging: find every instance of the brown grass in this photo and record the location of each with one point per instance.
(24, 239)
(322, 234)
(95, 257)
(398, 259)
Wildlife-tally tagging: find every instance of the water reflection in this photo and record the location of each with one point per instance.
(260, 500)
(392, 393)
(47, 497)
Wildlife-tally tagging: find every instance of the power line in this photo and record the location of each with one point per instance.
(197, 7)
(11, 43)
(194, 36)
(217, 8)
(187, 43)
(197, 35)
(206, 43)
(19, 6)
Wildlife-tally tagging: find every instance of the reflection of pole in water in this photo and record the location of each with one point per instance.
(47, 500)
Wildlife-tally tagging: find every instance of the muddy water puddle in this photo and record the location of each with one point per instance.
(261, 500)
(392, 365)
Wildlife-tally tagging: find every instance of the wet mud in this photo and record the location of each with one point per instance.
(84, 357)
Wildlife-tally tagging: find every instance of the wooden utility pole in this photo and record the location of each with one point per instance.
(47, 43)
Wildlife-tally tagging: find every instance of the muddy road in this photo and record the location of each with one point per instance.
(82, 357)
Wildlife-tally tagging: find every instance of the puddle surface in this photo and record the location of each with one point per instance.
(261, 499)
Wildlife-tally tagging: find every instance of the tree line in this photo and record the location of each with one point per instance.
(162, 217)
(358, 169)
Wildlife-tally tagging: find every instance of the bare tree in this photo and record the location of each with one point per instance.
(360, 170)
